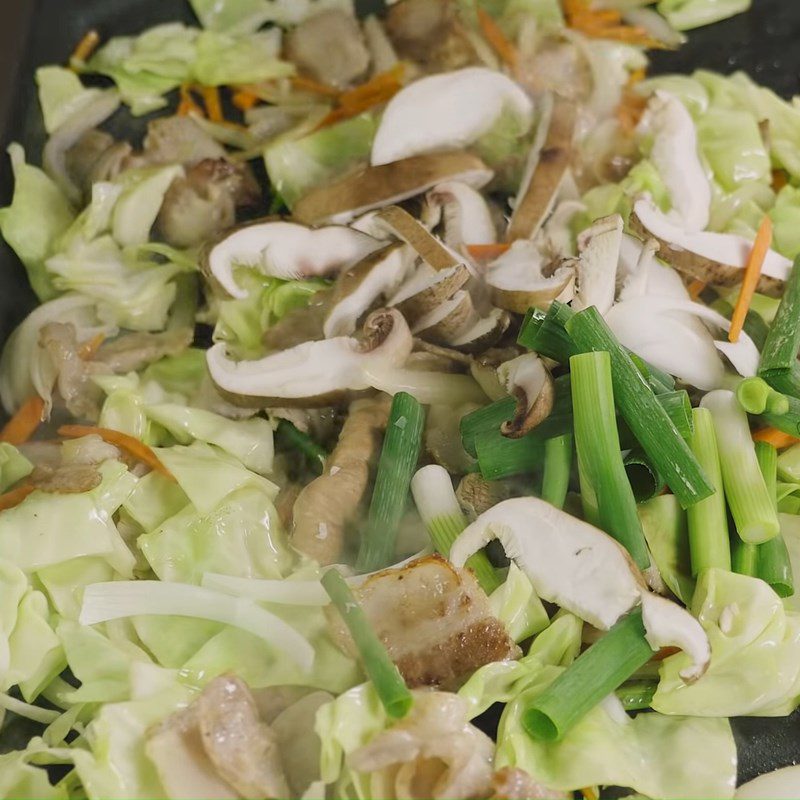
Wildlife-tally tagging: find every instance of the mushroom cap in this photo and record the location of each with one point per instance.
(527, 379)
(325, 368)
(596, 278)
(374, 187)
(447, 320)
(286, 250)
(485, 332)
(427, 289)
(357, 288)
(464, 212)
(568, 561)
(715, 258)
(446, 111)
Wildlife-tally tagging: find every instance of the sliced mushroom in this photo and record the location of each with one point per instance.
(537, 195)
(430, 34)
(316, 373)
(94, 158)
(441, 324)
(426, 289)
(464, 213)
(675, 155)
(447, 111)
(518, 279)
(581, 569)
(176, 140)
(326, 506)
(434, 620)
(203, 203)
(357, 288)
(484, 333)
(715, 258)
(599, 249)
(375, 187)
(528, 380)
(402, 225)
(329, 46)
(286, 250)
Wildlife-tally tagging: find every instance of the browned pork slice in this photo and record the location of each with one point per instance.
(434, 620)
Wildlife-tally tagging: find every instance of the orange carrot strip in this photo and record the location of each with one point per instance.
(132, 446)
(187, 104)
(244, 100)
(85, 47)
(305, 84)
(212, 103)
(88, 349)
(497, 39)
(776, 438)
(15, 496)
(695, 288)
(22, 425)
(379, 85)
(752, 272)
(487, 251)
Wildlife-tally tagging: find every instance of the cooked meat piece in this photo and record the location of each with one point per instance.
(218, 747)
(434, 620)
(475, 494)
(434, 752)
(331, 502)
(511, 783)
(80, 394)
(430, 33)
(96, 156)
(66, 479)
(134, 351)
(176, 140)
(330, 47)
(203, 203)
(284, 504)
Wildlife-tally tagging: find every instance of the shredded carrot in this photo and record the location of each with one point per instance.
(244, 100)
(188, 105)
(22, 425)
(752, 272)
(305, 84)
(85, 47)
(589, 793)
(212, 103)
(776, 438)
(497, 39)
(632, 104)
(779, 179)
(15, 496)
(375, 91)
(87, 350)
(132, 446)
(605, 23)
(486, 252)
(695, 288)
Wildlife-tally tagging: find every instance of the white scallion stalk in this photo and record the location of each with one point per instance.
(438, 506)
(21, 709)
(751, 505)
(429, 388)
(119, 599)
(293, 593)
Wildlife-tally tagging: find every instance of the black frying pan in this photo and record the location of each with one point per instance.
(764, 42)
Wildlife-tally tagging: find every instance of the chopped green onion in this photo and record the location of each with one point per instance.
(399, 456)
(637, 695)
(789, 421)
(645, 416)
(709, 543)
(756, 396)
(501, 457)
(773, 564)
(744, 557)
(598, 671)
(643, 476)
(293, 438)
(488, 418)
(386, 678)
(597, 443)
(779, 366)
(438, 506)
(557, 465)
(752, 506)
